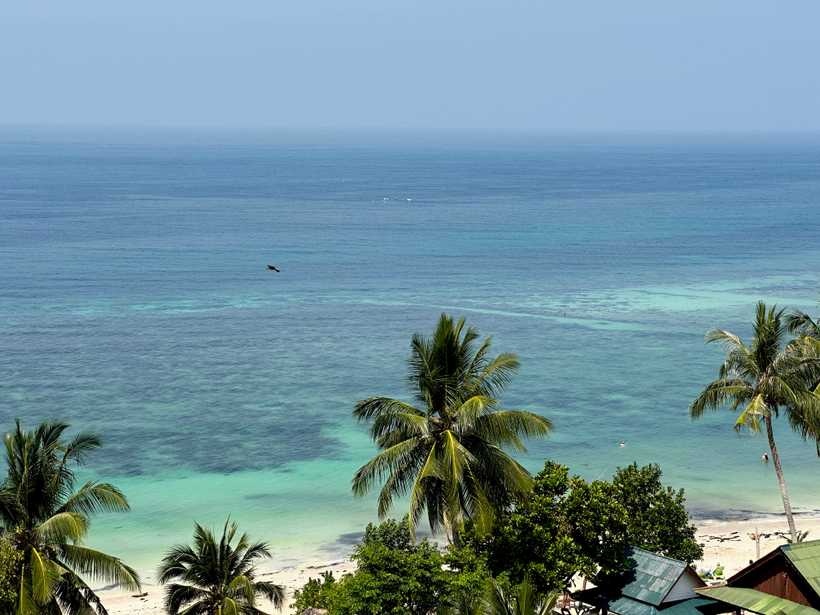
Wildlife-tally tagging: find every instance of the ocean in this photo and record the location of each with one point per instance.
(135, 302)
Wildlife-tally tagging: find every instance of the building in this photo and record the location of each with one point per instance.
(655, 585)
(784, 582)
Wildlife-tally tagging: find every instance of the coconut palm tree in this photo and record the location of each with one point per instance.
(447, 451)
(216, 577)
(762, 379)
(805, 327)
(525, 601)
(46, 517)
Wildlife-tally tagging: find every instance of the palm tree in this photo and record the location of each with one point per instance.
(497, 601)
(525, 601)
(216, 577)
(805, 327)
(764, 378)
(47, 519)
(448, 451)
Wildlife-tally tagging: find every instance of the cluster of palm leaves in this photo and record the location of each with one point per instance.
(447, 451)
(771, 375)
(495, 600)
(216, 576)
(47, 516)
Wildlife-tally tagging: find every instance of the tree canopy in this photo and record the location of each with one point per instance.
(566, 525)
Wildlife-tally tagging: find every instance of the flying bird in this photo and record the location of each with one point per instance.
(272, 268)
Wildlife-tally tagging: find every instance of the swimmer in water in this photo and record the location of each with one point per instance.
(622, 444)
(764, 458)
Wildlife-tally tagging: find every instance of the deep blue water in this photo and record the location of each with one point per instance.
(134, 301)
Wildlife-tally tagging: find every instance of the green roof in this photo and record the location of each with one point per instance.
(654, 577)
(628, 606)
(697, 606)
(805, 556)
(756, 601)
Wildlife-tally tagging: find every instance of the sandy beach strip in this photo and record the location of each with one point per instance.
(725, 542)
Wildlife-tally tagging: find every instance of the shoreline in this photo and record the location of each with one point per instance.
(725, 542)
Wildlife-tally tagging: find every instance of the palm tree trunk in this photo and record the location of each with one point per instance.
(781, 481)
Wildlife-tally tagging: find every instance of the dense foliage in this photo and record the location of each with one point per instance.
(566, 526)
(523, 600)
(11, 560)
(216, 576)
(656, 514)
(448, 451)
(46, 515)
(394, 576)
(563, 526)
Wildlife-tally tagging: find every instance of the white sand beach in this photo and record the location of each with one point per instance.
(725, 542)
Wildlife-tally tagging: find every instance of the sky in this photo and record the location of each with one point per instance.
(422, 65)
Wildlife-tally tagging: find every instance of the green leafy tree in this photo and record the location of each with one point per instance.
(599, 527)
(469, 570)
(763, 379)
(447, 452)
(11, 560)
(567, 525)
(216, 576)
(47, 517)
(656, 515)
(533, 539)
(316, 593)
(394, 576)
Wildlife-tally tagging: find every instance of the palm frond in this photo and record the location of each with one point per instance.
(272, 592)
(752, 413)
(507, 427)
(178, 596)
(719, 393)
(93, 498)
(800, 323)
(63, 527)
(382, 464)
(100, 566)
(44, 575)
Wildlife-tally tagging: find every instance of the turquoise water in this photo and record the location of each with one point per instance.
(135, 302)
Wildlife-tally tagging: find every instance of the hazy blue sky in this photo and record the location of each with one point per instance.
(430, 65)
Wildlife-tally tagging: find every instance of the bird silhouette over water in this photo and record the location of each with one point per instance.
(273, 268)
